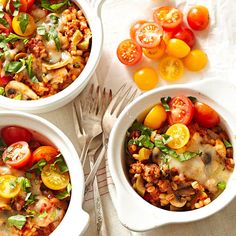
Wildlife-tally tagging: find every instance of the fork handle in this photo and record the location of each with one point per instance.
(84, 152)
(93, 172)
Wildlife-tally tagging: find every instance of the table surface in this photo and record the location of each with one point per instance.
(219, 42)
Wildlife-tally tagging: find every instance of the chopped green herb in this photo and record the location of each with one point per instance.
(166, 138)
(143, 129)
(227, 144)
(16, 5)
(13, 37)
(53, 35)
(23, 18)
(54, 18)
(30, 199)
(4, 22)
(165, 101)
(15, 66)
(142, 141)
(2, 91)
(12, 184)
(46, 5)
(64, 194)
(18, 221)
(193, 99)
(60, 162)
(41, 30)
(221, 185)
(24, 182)
(188, 155)
(39, 165)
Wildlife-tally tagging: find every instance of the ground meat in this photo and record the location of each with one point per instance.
(151, 173)
(36, 47)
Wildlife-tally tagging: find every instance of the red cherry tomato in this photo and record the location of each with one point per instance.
(129, 52)
(135, 27)
(181, 110)
(169, 18)
(44, 152)
(22, 8)
(4, 80)
(17, 155)
(205, 115)
(149, 35)
(13, 134)
(198, 18)
(6, 25)
(186, 35)
(30, 4)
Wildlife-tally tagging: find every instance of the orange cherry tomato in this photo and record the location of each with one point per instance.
(198, 18)
(17, 155)
(129, 52)
(135, 26)
(157, 52)
(168, 17)
(149, 35)
(205, 115)
(48, 153)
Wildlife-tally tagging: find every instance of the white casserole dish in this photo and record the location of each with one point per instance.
(133, 211)
(76, 219)
(92, 13)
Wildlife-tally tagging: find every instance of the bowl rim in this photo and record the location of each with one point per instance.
(123, 187)
(66, 95)
(74, 210)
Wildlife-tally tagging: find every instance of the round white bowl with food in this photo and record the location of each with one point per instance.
(174, 166)
(49, 52)
(42, 181)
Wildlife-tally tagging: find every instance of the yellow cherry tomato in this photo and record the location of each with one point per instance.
(157, 52)
(146, 78)
(156, 117)
(180, 136)
(9, 188)
(23, 24)
(177, 48)
(53, 178)
(196, 60)
(171, 68)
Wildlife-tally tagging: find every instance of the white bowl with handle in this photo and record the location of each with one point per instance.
(133, 211)
(76, 220)
(92, 13)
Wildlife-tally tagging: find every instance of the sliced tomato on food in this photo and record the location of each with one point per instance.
(4, 80)
(157, 52)
(168, 17)
(13, 134)
(186, 35)
(53, 178)
(48, 153)
(181, 110)
(134, 27)
(205, 115)
(6, 24)
(18, 6)
(9, 187)
(129, 52)
(17, 155)
(29, 4)
(149, 35)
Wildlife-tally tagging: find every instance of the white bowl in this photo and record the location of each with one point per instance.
(133, 211)
(76, 219)
(68, 94)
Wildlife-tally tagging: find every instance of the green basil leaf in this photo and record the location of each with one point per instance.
(140, 127)
(221, 185)
(60, 162)
(41, 30)
(193, 99)
(188, 155)
(54, 18)
(165, 101)
(16, 5)
(142, 141)
(15, 66)
(23, 18)
(64, 194)
(24, 182)
(46, 5)
(4, 22)
(18, 221)
(39, 165)
(13, 37)
(166, 150)
(227, 144)
(166, 138)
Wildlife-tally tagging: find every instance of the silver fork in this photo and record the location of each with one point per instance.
(120, 100)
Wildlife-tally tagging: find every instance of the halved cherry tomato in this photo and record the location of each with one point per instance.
(146, 78)
(22, 8)
(198, 18)
(155, 117)
(4, 80)
(9, 187)
(6, 25)
(53, 178)
(13, 134)
(17, 155)
(135, 27)
(205, 115)
(171, 68)
(186, 35)
(30, 4)
(129, 52)
(181, 110)
(44, 152)
(157, 52)
(149, 35)
(30, 28)
(180, 136)
(168, 17)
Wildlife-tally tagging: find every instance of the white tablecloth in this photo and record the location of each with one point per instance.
(220, 44)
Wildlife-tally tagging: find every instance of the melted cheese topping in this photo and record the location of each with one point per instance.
(206, 174)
